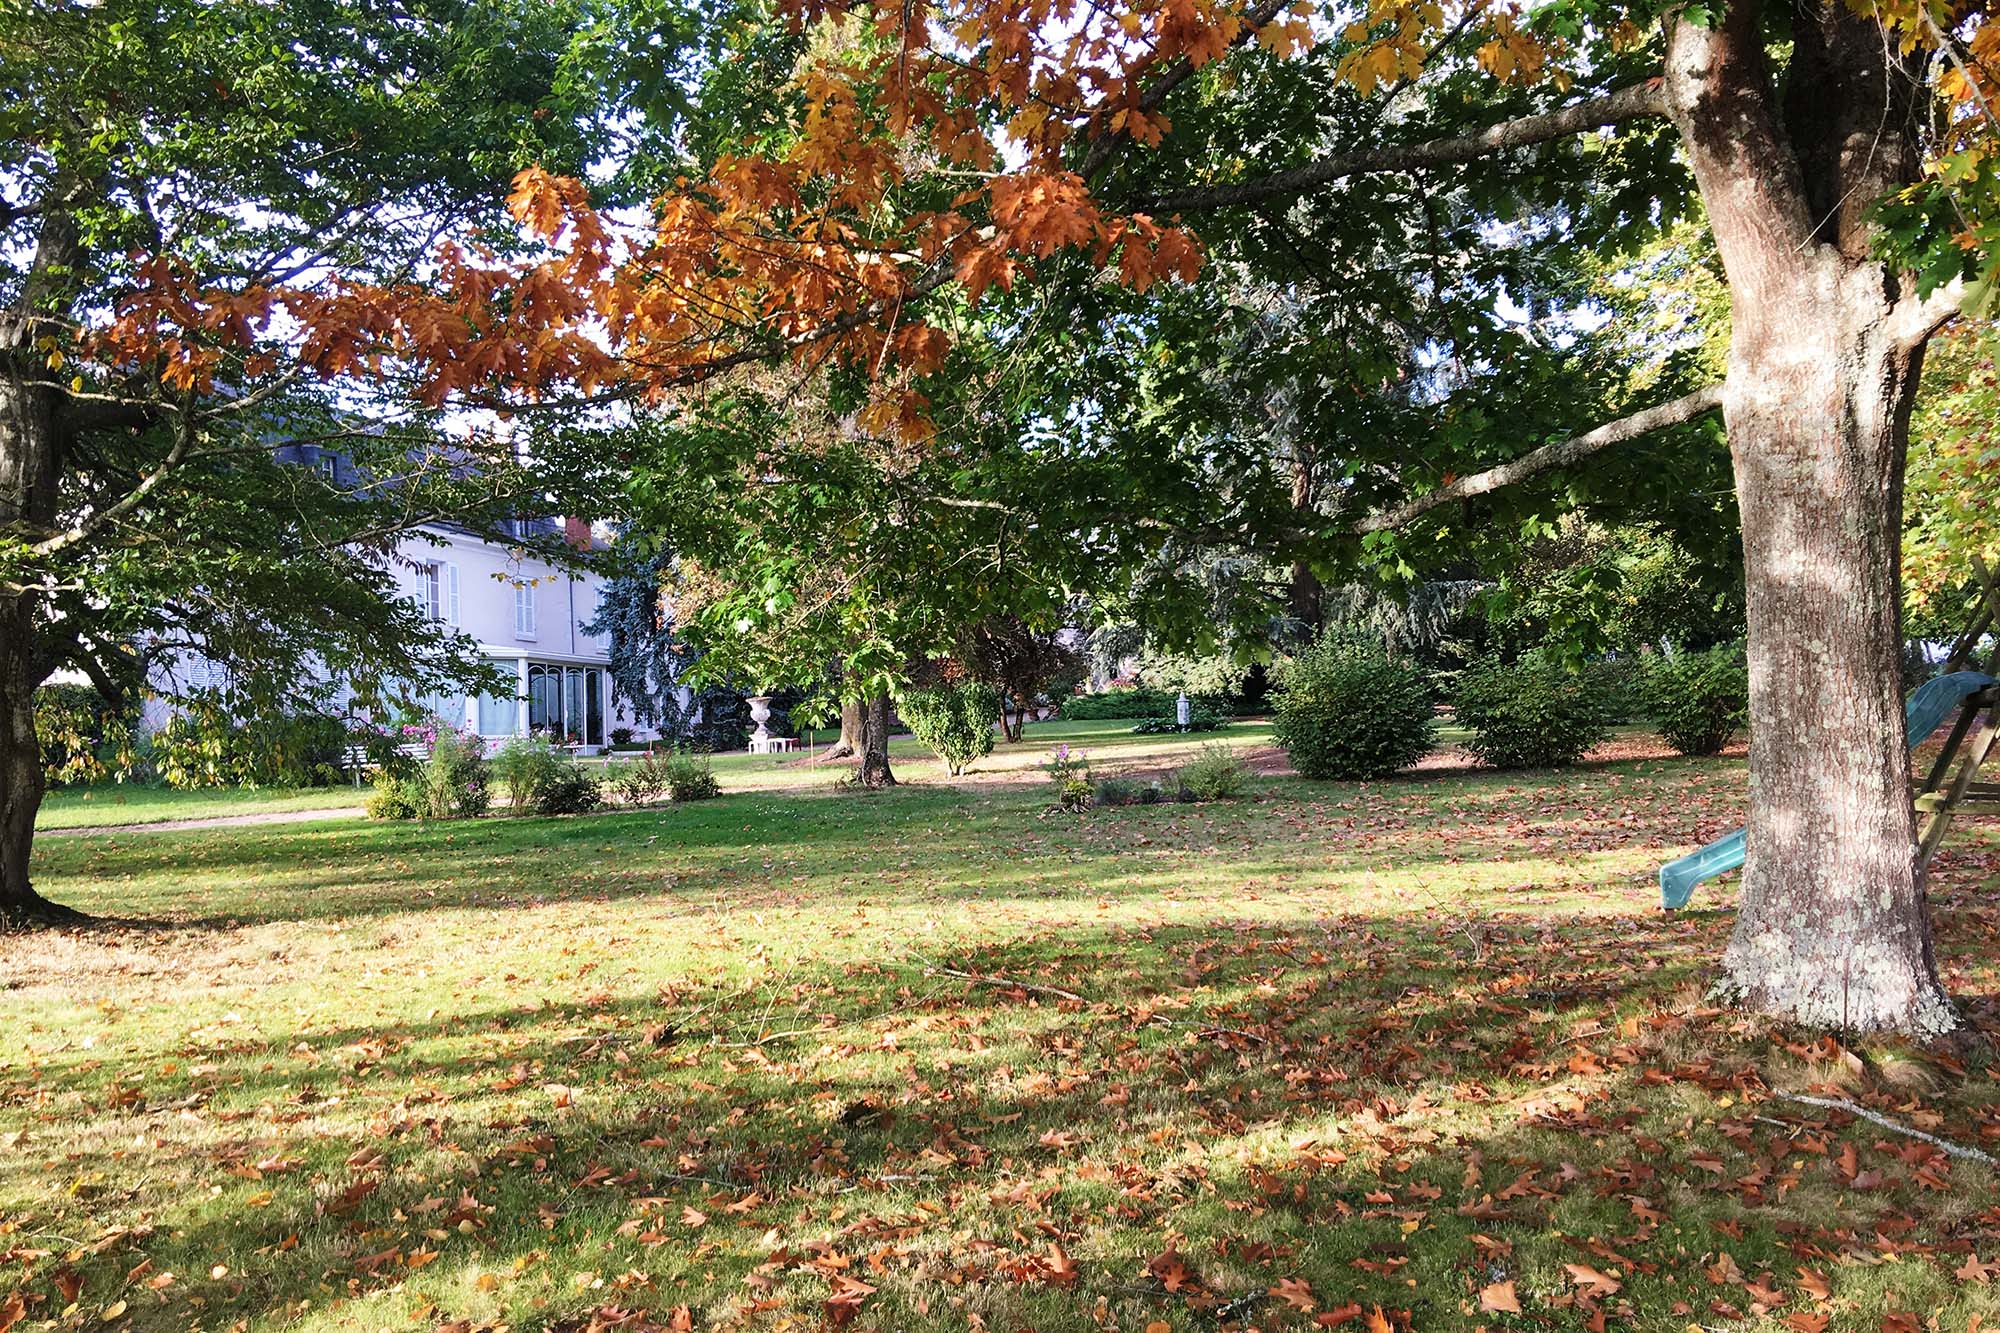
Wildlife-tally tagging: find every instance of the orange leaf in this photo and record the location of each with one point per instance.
(1500, 1298)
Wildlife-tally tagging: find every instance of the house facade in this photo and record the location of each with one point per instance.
(526, 614)
(528, 617)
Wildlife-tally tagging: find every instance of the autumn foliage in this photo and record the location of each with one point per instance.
(930, 144)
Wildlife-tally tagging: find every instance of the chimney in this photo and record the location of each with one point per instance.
(577, 533)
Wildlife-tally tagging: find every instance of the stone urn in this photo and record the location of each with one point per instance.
(760, 713)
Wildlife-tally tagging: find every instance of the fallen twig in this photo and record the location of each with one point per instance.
(1004, 983)
(1896, 1126)
(1202, 1029)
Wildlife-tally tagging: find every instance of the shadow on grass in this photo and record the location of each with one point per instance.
(1168, 1120)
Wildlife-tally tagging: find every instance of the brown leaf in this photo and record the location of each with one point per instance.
(1593, 1281)
(1295, 1293)
(1500, 1298)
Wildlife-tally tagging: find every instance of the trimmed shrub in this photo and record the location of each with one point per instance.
(1699, 700)
(527, 764)
(955, 721)
(1533, 714)
(570, 791)
(1199, 719)
(1117, 705)
(451, 784)
(1215, 774)
(1345, 709)
(689, 778)
(395, 798)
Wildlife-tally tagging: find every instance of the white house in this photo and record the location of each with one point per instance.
(527, 615)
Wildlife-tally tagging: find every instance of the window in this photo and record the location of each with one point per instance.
(328, 468)
(441, 591)
(498, 714)
(524, 610)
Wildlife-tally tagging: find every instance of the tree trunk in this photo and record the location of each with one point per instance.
(1832, 929)
(1305, 600)
(1012, 719)
(874, 769)
(849, 744)
(29, 464)
(21, 781)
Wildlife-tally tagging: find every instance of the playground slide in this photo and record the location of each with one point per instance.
(1933, 702)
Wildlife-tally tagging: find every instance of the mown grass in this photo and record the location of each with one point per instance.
(1277, 1063)
(123, 804)
(116, 804)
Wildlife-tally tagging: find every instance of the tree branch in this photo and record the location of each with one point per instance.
(1917, 320)
(1637, 102)
(1683, 409)
(85, 528)
(1107, 143)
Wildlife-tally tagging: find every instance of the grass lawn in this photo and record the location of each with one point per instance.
(112, 805)
(1404, 1055)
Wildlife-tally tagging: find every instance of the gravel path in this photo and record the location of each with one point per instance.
(214, 821)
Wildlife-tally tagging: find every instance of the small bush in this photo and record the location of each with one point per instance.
(638, 783)
(1533, 714)
(1127, 791)
(955, 721)
(86, 740)
(621, 736)
(1199, 719)
(395, 798)
(1699, 700)
(1215, 774)
(1345, 709)
(527, 764)
(689, 778)
(451, 784)
(571, 791)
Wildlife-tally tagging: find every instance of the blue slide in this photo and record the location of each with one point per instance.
(1933, 702)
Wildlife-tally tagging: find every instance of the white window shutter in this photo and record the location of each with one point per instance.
(451, 590)
(524, 610)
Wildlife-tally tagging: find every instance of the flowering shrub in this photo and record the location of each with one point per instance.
(1069, 770)
(451, 784)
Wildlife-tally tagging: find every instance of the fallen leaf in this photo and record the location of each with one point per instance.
(1500, 1298)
